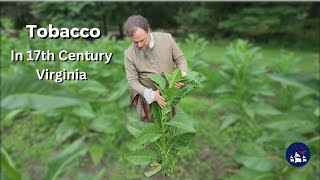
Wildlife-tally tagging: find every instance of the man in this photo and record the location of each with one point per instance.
(150, 53)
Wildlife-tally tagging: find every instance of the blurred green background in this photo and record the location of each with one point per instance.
(261, 61)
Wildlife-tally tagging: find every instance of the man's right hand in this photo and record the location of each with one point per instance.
(160, 100)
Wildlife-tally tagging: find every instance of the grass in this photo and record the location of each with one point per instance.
(30, 141)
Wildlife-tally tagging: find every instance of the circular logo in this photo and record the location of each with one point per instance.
(298, 154)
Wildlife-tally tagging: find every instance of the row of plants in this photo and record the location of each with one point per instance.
(81, 112)
(89, 117)
(282, 100)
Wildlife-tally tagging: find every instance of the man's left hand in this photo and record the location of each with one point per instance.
(178, 85)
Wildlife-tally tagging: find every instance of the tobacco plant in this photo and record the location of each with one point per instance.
(161, 140)
(245, 87)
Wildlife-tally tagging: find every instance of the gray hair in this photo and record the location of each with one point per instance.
(133, 22)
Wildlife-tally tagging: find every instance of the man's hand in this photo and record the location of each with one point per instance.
(178, 84)
(160, 100)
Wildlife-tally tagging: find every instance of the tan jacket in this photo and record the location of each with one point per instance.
(139, 65)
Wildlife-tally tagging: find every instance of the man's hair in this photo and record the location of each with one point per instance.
(133, 22)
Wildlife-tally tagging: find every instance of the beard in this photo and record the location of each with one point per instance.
(145, 52)
(143, 48)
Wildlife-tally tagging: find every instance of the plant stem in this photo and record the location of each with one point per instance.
(164, 119)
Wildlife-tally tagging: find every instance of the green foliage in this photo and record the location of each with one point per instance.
(96, 176)
(56, 14)
(259, 161)
(192, 16)
(142, 157)
(258, 19)
(74, 109)
(164, 138)
(262, 21)
(282, 23)
(153, 172)
(279, 106)
(285, 63)
(241, 94)
(17, 93)
(8, 166)
(59, 162)
(295, 123)
(196, 60)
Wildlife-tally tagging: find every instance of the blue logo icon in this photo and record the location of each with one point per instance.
(298, 154)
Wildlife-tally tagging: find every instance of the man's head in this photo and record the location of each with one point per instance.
(138, 29)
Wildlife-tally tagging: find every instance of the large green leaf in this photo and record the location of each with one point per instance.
(182, 121)
(258, 69)
(119, 90)
(266, 138)
(179, 138)
(260, 109)
(24, 84)
(297, 80)
(153, 172)
(246, 173)
(104, 124)
(134, 145)
(38, 101)
(254, 157)
(26, 91)
(156, 111)
(135, 128)
(8, 166)
(9, 117)
(195, 78)
(182, 92)
(149, 133)
(159, 80)
(141, 157)
(174, 77)
(258, 89)
(258, 163)
(300, 125)
(12, 114)
(302, 93)
(96, 152)
(225, 102)
(229, 120)
(66, 129)
(171, 95)
(84, 111)
(58, 164)
(225, 88)
(93, 87)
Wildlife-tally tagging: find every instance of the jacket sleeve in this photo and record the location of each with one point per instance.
(133, 77)
(178, 56)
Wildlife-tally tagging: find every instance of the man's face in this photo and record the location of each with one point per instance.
(140, 39)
